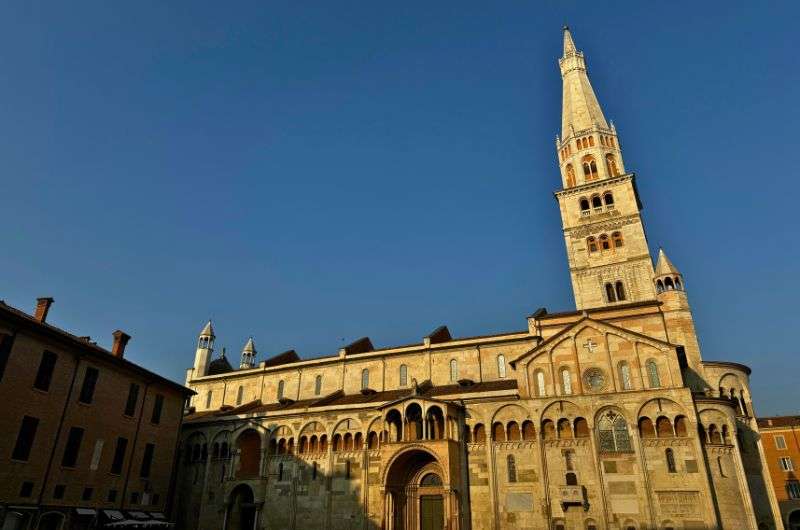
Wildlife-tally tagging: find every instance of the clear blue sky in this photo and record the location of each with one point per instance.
(312, 174)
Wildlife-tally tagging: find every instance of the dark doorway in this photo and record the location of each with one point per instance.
(431, 512)
(242, 510)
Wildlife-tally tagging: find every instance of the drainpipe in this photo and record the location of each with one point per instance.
(133, 449)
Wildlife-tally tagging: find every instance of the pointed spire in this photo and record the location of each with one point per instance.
(569, 44)
(208, 330)
(664, 265)
(250, 347)
(580, 108)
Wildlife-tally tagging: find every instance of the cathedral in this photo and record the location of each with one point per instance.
(603, 417)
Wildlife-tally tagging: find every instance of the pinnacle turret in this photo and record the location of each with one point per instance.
(248, 354)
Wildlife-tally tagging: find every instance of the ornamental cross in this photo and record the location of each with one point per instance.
(590, 346)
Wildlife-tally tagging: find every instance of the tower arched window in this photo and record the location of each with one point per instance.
(605, 243)
(318, 385)
(589, 168)
(566, 381)
(453, 370)
(501, 366)
(668, 285)
(570, 172)
(540, 388)
(591, 244)
(659, 286)
(652, 374)
(591, 141)
(611, 165)
(364, 379)
(584, 203)
(608, 199)
(678, 284)
(610, 295)
(597, 202)
(616, 238)
(403, 375)
(625, 375)
(281, 386)
(620, 289)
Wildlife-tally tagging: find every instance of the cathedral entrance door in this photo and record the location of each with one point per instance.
(431, 516)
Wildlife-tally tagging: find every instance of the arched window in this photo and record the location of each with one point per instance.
(548, 430)
(589, 168)
(501, 366)
(625, 375)
(514, 434)
(566, 382)
(610, 296)
(668, 285)
(664, 427)
(498, 432)
(585, 205)
(659, 286)
(678, 285)
(511, 464)
(620, 291)
(591, 141)
(570, 176)
(646, 429)
(564, 428)
(680, 426)
(317, 385)
(652, 374)
(572, 479)
(670, 455)
(453, 370)
(431, 479)
(479, 433)
(239, 395)
(597, 202)
(611, 165)
(605, 244)
(591, 244)
(616, 238)
(364, 379)
(613, 433)
(540, 388)
(581, 428)
(281, 385)
(608, 198)
(403, 375)
(528, 430)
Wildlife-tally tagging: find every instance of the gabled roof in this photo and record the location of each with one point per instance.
(362, 345)
(289, 356)
(584, 322)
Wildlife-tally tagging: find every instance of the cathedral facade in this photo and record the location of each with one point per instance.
(605, 417)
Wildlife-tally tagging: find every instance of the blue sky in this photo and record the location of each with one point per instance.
(313, 173)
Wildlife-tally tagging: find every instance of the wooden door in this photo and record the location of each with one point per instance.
(431, 512)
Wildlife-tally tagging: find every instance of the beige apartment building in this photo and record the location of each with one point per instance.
(88, 437)
(603, 417)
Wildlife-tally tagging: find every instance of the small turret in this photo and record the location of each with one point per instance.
(248, 354)
(666, 277)
(205, 347)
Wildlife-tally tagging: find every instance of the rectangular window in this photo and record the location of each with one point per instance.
(135, 497)
(147, 460)
(58, 491)
(780, 441)
(6, 341)
(119, 455)
(786, 464)
(73, 447)
(157, 406)
(89, 383)
(793, 488)
(87, 494)
(45, 373)
(133, 397)
(208, 399)
(25, 437)
(26, 489)
(112, 495)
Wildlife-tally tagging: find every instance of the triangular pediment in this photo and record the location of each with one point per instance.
(598, 325)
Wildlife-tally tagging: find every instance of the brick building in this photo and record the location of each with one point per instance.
(781, 438)
(88, 437)
(606, 417)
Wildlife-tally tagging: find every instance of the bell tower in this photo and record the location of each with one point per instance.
(609, 260)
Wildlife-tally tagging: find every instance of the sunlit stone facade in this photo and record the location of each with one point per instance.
(601, 418)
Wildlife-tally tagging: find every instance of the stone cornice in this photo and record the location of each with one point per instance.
(595, 184)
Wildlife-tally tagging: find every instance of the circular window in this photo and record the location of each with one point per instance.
(595, 379)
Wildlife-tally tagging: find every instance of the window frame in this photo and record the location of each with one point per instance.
(89, 385)
(44, 374)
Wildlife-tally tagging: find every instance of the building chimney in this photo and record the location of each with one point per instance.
(120, 341)
(42, 307)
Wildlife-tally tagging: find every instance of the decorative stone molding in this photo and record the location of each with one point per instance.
(566, 442)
